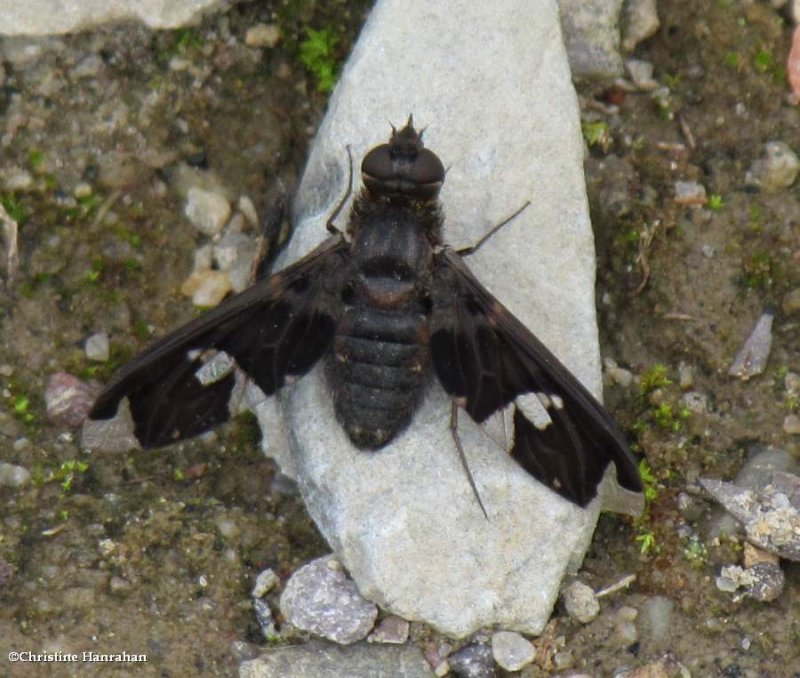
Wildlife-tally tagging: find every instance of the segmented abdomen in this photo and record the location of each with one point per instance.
(380, 359)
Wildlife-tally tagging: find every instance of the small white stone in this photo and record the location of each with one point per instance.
(248, 209)
(641, 73)
(511, 651)
(97, 347)
(752, 358)
(690, 193)
(262, 35)
(776, 170)
(12, 475)
(208, 211)
(580, 602)
(207, 288)
(791, 424)
(265, 582)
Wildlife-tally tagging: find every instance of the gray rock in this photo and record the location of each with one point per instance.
(321, 599)
(322, 660)
(392, 629)
(262, 35)
(208, 211)
(265, 582)
(44, 17)
(580, 602)
(266, 621)
(656, 621)
(776, 170)
(68, 399)
(97, 347)
(763, 581)
(404, 520)
(752, 358)
(639, 22)
(473, 661)
(791, 301)
(511, 651)
(591, 34)
(12, 475)
(770, 516)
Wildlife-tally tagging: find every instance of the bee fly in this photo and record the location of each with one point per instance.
(386, 304)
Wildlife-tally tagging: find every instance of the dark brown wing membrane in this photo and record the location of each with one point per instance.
(281, 326)
(487, 358)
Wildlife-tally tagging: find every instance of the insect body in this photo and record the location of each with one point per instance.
(388, 305)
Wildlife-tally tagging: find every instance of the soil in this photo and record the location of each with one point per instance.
(156, 552)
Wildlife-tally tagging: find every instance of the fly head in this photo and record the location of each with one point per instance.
(403, 170)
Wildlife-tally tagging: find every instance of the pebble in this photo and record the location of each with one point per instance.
(791, 301)
(392, 630)
(265, 619)
(641, 72)
(248, 209)
(262, 35)
(626, 632)
(323, 660)
(763, 581)
(68, 399)
(98, 348)
(12, 475)
(685, 375)
(690, 193)
(695, 402)
(16, 179)
(235, 253)
(639, 22)
(791, 424)
(511, 651)
(208, 211)
(473, 661)
(207, 288)
(776, 170)
(265, 582)
(770, 515)
(752, 358)
(665, 667)
(321, 599)
(618, 375)
(657, 614)
(791, 383)
(580, 602)
(793, 60)
(118, 586)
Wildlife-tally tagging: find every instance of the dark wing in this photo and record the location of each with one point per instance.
(486, 359)
(279, 327)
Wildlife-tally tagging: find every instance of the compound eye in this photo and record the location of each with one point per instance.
(377, 164)
(427, 169)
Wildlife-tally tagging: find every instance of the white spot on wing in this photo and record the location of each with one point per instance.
(218, 367)
(535, 409)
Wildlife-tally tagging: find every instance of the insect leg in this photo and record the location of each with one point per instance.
(332, 228)
(462, 456)
(474, 248)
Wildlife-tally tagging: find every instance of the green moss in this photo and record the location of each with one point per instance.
(318, 55)
(759, 270)
(653, 378)
(597, 134)
(14, 208)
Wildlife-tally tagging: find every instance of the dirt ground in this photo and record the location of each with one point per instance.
(156, 551)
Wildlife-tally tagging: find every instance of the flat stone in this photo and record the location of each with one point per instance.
(591, 33)
(323, 660)
(404, 520)
(45, 17)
